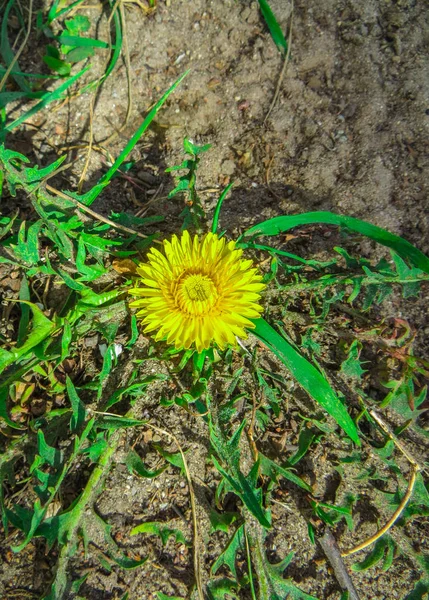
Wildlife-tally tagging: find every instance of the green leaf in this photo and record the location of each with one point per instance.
(272, 585)
(77, 54)
(41, 327)
(273, 26)
(174, 458)
(163, 532)
(374, 557)
(246, 492)
(307, 376)
(136, 465)
(57, 65)
(420, 590)
(351, 367)
(272, 470)
(76, 41)
(306, 438)
(221, 521)
(404, 272)
(191, 148)
(18, 173)
(130, 220)
(4, 394)
(7, 97)
(97, 447)
(27, 248)
(404, 400)
(52, 51)
(285, 223)
(217, 589)
(91, 298)
(78, 24)
(78, 408)
(48, 454)
(66, 340)
(229, 556)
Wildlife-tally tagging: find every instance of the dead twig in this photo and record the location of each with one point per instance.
(97, 216)
(333, 554)
(284, 68)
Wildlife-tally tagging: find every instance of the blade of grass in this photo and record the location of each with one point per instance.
(275, 29)
(53, 14)
(6, 97)
(284, 223)
(133, 141)
(307, 376)
(28, 75)
(118, 39)
(219, 206)
(116, 49)
(6, 50)
(55, 95)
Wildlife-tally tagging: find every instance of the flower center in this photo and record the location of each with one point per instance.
(196, 294)
(198, 287)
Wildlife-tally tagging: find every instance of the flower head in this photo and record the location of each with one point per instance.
(197, 292)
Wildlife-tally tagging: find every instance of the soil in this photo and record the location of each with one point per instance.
(349, 134)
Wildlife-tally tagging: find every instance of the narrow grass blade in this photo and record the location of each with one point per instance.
(28, 75)
(6, 97)
(116, 49)
(219, 206)
(307, 376)
(5, 49)
(133, 141)
(401, 246)
(53, 14)
(118, 40)
(55, 95)
(275, 29)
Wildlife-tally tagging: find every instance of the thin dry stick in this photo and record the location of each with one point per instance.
(103, 151)
(284, 67)
(250, 430)
(415, 468)
(97, 216)
(21, 48)
(267, 179)
(395, 440)
(333, 554)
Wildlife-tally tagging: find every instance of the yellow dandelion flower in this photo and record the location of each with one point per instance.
(197, 292)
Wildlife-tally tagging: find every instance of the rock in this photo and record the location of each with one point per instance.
(228, 167)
